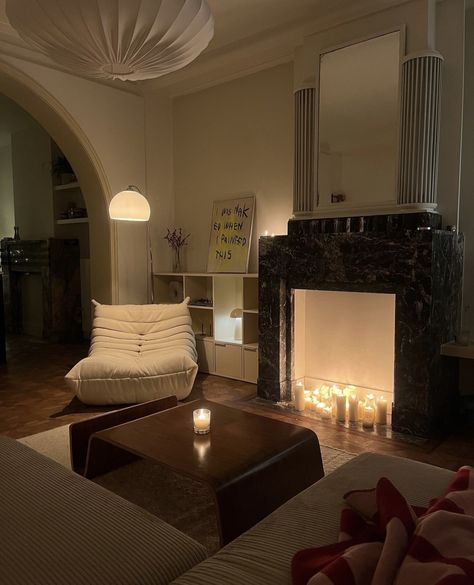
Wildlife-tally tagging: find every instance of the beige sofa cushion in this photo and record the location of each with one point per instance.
(262, 556)
(137, 353)
(59, 528)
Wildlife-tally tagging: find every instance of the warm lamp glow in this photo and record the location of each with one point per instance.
(129, 205)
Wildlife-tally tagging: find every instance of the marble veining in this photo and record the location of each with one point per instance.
(423, 268)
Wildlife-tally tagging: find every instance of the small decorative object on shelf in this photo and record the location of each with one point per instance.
(176, 241)
(61, 168)
(202, 421)
(237, 314)
(201, 302)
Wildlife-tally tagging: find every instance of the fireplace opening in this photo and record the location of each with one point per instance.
(344, 356)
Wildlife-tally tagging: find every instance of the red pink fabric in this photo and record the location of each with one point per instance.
(385, 541)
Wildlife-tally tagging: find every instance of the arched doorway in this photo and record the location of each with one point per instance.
(55, 119)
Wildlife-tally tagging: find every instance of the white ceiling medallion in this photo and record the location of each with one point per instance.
(115, 39)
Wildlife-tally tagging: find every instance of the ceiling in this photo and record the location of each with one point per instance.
(240, 27)
(236, 20)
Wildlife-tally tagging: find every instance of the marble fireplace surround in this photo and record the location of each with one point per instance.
(406, 255)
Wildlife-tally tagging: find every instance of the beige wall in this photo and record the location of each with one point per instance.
(231, 139)
(466, 215)
(7, 209)
(450, 43)
(160, 179)
(32, 184)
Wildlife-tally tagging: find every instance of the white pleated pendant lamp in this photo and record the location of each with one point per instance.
(115, 39)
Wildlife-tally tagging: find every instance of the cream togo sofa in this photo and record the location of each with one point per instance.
(138, 353)
(59, 528)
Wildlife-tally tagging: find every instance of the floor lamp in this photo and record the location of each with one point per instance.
(131, 205)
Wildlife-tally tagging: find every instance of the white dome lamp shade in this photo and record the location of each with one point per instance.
(129, 205)
(131, 40)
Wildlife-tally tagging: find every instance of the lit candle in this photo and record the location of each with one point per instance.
(370, 400)
(381, 411)
(324, 391)
(326, 413)
(353, 408)
(360, 410)
(369, 415)
(202, 421)
(341, 407)
(300, 397)
(320, 406)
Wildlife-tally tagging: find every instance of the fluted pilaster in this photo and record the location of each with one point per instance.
(305, 120)
(419, 128)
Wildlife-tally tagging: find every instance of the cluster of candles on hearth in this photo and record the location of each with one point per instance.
(332, 401)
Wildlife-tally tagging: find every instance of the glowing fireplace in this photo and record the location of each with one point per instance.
(364, 302)
(344, 354)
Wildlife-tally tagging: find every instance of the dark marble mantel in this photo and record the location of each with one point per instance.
(401, 255)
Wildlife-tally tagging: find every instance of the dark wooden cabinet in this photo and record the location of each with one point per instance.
(57, 263)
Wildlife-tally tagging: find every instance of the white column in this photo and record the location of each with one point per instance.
(305, 128)
(419, 128)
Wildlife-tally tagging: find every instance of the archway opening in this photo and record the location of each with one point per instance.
(72, 141)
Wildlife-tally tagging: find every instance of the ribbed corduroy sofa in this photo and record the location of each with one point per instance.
(58, 527)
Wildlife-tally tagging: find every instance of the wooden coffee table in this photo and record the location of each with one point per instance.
(252, 463)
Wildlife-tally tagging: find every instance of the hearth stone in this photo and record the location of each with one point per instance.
(423, 268)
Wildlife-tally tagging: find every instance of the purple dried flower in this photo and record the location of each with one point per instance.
(175, 238)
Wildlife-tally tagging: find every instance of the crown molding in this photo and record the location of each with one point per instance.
(253, 54)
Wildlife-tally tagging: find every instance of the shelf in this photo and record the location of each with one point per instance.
(230, 341)
(74, 220)
(203, 337)
(254, 311)
(456, 350)
(200, 307)
(251, 345)
(67, 186)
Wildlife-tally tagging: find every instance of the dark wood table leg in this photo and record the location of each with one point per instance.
(80, 432)
(103, 457)
(247, 500)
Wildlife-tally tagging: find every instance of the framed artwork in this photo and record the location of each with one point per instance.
(231, 234)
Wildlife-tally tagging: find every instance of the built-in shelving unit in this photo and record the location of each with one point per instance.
(227, 346)
(67, 196)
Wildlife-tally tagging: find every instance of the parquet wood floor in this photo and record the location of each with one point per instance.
(34, 398)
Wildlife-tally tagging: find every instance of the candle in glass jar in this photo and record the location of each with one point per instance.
(299, 397)
(202, 421)
(353, 408)
(360, 410)
(370, 400)
(341, 407)
(369, 415)
(381, 411)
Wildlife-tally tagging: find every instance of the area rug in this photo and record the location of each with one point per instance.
(176, 499)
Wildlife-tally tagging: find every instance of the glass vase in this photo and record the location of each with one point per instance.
(177, 260)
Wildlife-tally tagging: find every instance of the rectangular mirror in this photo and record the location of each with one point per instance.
(358, 124)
